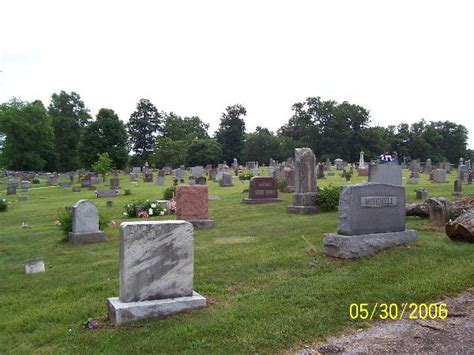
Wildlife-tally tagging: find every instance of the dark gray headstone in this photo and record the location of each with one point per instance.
(387, 173)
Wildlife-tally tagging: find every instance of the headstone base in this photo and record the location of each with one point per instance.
(202, 223)
(126, 312)
(457, 194)
(303, 209)
(357, 246)
(253, 201)
(85, 238)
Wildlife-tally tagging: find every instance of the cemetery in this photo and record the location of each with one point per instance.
(227, 265)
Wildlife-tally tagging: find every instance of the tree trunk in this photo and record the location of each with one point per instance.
(417, 209)
(462, 228)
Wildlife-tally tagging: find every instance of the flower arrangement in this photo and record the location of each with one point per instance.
(145, 209)
(245, 176)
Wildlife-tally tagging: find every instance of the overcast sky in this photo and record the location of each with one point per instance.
(402, 60)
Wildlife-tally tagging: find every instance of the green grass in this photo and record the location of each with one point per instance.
(265, 293)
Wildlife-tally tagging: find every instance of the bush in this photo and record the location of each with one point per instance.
(282, 185)
(144, 209)
(65, 221)
(3, 205)
(127, 192)
(245, 176)
(35, 181)
(169, 192)
(328, 198)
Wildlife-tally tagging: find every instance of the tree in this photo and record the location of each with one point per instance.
(144, 125)
(106, 134)
(231, 132)
(186, 129)
(69, 117)
(260, 146)
(169, 152)
(29, 137)
(204, 151)
(103, 165)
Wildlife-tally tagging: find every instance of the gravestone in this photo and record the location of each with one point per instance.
(25, 186)
(180, 174)
(160, 180)
(386, 173)
(197, 171)
(11, 190)
(85, 223)
(428, 166)
(13, 183)
(438, 211)
(439, 176)
(133, 177)
(156, 272)
(115, 183)
(304, 197)
(148, 176)
(63, 185)
(328, 164)
(226, 180)
(361, 161)
(457, 188)
(412, 180)
(191, 180)
(34, 266)
(22, 198)
(192, 205)
(96, 180)
(339, 164)
(320, 171)
(86, 182)
(421, 194)
(136, 169)
(212, 174)
(371, 218)
(106, 193)
(262, 189)
(76, 189)
(201, 180)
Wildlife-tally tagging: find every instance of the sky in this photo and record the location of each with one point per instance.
(402, 60)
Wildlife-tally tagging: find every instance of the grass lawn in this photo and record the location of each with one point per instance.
(265, 293)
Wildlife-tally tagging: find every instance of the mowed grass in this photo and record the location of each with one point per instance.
(265, 293)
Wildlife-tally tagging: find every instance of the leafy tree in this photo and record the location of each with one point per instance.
(186, 129)
(103, 165)
(204, 151)
(106, 134)
(231, 132)
(29, 137)
(144, 125)
(69, 117)
(260, 146)
(169, 152)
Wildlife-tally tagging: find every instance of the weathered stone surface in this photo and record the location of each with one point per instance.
(156, 260)
(201, 180)
(226, 180)
(421, 194)
(11, 190)
(387, 173)
(439, 176)
(115, 183)
(304, 198)
(76, 189)
(160, 180)
(356, 246)
(106, 193)
(22, 198)
(121, 313)
(197, 171)
(371, 208)
(34, 266)
(191, 202)
(85, 223)
(438, 209)
(262, 189)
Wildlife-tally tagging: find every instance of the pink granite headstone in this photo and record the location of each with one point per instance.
(192, 205)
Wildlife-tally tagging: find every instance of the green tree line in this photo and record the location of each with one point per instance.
(64, 136)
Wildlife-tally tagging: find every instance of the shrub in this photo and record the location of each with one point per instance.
(65, 221)
(245, 176)
(3, 205)
(169, 192)
(127, 192)
(328, 197)
(144, 209)
(282, 185)
(35, 181)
